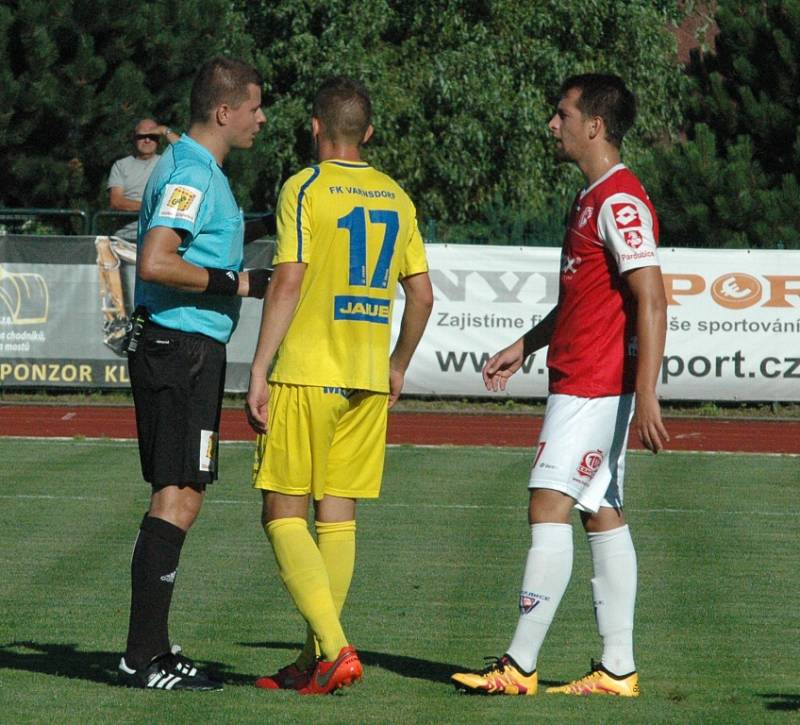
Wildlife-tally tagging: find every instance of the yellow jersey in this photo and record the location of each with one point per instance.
(356, 229)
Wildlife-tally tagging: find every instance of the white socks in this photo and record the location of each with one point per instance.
(614, 588)
(547, 572)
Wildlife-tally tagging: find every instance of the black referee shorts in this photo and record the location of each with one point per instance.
(177, 379)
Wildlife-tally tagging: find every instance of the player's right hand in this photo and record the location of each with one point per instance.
(502, 365)
(396, 381)
(256, 404)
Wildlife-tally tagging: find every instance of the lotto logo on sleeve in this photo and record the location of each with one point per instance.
(180, 202)
(626, 216)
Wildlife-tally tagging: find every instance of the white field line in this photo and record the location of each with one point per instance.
(502, 450)
(436, 506)
(48, 497)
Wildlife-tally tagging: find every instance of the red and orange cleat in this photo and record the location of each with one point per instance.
(330, 676)
(290, 677)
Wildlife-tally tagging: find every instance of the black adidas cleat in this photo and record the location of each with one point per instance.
(171, 671)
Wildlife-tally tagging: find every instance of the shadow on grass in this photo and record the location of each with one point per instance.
(414, 667)
(781, 701)
(66, 660)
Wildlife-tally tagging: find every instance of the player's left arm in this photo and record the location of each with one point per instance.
(627, 227)
(419, 303)
(291, 260)
(280, 303)
(647, 288)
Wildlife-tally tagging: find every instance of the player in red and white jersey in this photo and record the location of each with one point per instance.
(606, 341)
(612, 229)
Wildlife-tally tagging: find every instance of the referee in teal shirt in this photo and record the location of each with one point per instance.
(189, 285)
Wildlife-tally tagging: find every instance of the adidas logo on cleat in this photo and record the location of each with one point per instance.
(171, 671)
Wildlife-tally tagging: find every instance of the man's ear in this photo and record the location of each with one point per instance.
(315, 127)
(367, 134)
(222, 114)
(596, 126)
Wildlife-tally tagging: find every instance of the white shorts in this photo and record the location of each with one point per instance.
(581, 449)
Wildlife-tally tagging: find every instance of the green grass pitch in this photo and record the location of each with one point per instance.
(440, 558)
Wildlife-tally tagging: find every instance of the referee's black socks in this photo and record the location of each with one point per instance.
(153, 568)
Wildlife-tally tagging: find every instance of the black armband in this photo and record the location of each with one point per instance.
(259, 278)
(222, 282)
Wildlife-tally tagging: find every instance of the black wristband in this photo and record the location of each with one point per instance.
(259, 278)
(222, 282)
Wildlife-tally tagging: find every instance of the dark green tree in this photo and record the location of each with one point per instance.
(735, 181)
(462, 92)
(76, 75)
(462, 89)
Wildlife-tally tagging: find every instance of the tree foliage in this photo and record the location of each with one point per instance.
(735, 181)
(76, 76)
(463, 90)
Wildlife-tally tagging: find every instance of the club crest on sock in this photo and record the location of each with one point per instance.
(528, 601)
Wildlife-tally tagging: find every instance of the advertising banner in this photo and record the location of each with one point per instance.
(64, 306)
(733, 318)
(733, 321)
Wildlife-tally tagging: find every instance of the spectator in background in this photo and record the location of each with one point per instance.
(129, 175)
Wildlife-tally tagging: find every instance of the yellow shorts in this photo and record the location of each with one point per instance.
(322, 441)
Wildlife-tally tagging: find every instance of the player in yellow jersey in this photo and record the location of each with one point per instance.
(346, 234)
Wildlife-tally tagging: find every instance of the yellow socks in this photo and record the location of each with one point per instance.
(305, 576)
(337, 544)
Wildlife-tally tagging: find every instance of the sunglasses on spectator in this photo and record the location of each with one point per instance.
(147, 137)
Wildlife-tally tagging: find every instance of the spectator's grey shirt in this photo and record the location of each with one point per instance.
(132, 174)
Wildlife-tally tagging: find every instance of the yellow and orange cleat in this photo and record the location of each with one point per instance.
(600, 682)
(501, 677)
